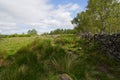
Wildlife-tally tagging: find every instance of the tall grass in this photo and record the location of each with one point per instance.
(36, 62)
(47, 58)
(10, 45)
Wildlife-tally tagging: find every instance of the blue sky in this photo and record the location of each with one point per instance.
(18, 16)
(81, 3)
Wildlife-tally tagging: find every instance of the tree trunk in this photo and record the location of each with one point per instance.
(103, 27)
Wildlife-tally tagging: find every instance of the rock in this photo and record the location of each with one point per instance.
(87, 35)
(110, 44)
(23, 69)
(65, 77)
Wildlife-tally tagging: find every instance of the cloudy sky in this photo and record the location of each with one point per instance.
(18, 16)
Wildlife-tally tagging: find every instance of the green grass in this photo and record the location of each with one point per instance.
(9, 46)
(49, 56)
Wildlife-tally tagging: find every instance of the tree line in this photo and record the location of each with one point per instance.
(60, 31)
(29, 33)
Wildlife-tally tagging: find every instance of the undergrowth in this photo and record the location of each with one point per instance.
(46, 59)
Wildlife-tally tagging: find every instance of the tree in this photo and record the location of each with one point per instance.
(32, 32)
(62, 31)
(0, 35)
(82, 22)
(99, 15)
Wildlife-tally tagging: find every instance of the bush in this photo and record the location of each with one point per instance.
(18, 35)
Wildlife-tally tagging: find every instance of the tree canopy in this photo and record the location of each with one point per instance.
(100, 16)
(63, 31)
(32, 32)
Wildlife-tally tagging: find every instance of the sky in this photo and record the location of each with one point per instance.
(18, 16)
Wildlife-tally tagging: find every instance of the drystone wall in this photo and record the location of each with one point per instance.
(110, 44)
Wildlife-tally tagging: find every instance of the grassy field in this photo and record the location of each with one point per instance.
(9, 46)
(48, 57)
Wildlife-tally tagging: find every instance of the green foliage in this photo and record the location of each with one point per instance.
(46, 58)
(100, 16)
(32, 32)
(18, 35)
(62, 31)
(9, 46)
(3, 36)
(37, 59)
(14, 35)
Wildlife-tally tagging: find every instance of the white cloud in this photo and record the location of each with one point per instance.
(39, 14)
(25, 10)
(8, 26)
(69, 7)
